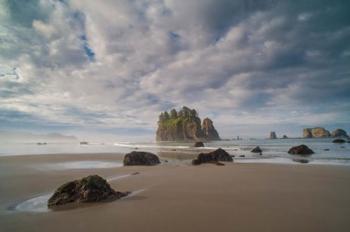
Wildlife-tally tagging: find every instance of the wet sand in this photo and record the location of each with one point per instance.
(180, 197)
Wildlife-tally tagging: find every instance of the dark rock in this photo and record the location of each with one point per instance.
(273, 135)
(140, 158)
(303, 161)
(212, 157)
(284, 137)
(256, 150)
(338, 141)
(199, 144)
(327, 149)
(339, 133)
(88, 189)
(242, 156)
(220, 164)
(301, 150)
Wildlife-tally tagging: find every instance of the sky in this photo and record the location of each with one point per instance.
(110, 67)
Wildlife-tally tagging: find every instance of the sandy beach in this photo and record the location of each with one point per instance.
(181, 197)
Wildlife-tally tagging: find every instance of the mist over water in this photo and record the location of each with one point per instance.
(274, 151)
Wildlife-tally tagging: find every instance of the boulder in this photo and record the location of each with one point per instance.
(338, 141)
(339, 133)
(199, 144)
(257, 149)
(88, 189)
(273, 135)
(140, 158)
(284, 137)
(302, 161)
(212, 157)
(301, 150)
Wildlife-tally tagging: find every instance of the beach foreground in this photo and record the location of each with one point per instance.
(181, 197)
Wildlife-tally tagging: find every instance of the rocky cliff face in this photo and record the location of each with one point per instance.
(317, 132)
(184, 125)
(209, 130)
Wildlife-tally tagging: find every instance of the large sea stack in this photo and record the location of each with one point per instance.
(317, 132)
(185, 125)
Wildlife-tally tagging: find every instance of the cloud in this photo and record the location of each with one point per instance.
(116, 64)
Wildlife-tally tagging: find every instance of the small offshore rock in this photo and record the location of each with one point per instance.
(257, 149)
(338, 141)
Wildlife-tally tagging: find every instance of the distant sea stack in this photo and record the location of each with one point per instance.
(185, 125)
(317, 132)
(273, 135)
(339, 133)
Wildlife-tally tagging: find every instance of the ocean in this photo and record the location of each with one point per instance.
(274, 151)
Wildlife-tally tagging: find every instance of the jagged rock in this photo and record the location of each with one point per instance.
(339, 133)
(140, 158)
(212, 157)
(338, 141)
(198, 144)
(88, 189)
(273, 135)
(317, 132)
(256, 150)
(184, 125)
(209, 130)
(301, 150)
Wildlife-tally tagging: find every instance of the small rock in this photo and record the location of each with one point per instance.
(327, 149)
(301, 150)
(220, 164)
(242, 156)
(199, 144)
(303, 161)
(256, 150)
(338, 141)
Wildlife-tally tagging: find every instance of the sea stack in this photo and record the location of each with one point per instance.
(339, 133)
(316, 132)
(185, 125)
(273, 135)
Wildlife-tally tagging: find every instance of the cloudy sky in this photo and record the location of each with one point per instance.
(110, 66)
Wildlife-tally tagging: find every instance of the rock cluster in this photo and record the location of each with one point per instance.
(185, 125)
(317, 132)
(140, 158)
(338, 141)
(301, 150)
(212, 157)
(88, 189)
(320, 132)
